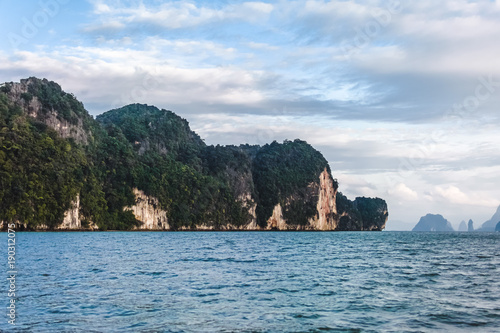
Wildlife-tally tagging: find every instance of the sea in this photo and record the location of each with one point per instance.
(254, 282)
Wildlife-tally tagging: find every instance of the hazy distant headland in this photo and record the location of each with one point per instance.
(436, 222)
(142, 168)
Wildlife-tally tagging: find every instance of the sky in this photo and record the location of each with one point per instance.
(401, 97)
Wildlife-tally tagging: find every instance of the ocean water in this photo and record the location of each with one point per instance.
(256, 282)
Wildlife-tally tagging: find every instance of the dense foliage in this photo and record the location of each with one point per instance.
(350, 218)
(149, 128)
(373, 212)
(174, 165)
(362, 213)
(39, 172)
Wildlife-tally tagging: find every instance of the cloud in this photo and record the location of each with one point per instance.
(371, 86)
(403, 192)
(454, 195)
(175, 15)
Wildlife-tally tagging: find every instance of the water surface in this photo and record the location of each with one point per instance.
(256, 282)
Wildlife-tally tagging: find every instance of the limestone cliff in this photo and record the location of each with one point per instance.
(147, 211)
(326, 219)
(71, 219)
(276, 221)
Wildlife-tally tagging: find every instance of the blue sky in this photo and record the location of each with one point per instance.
(401, 97)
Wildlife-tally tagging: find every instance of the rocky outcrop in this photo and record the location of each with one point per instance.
(470, 226)
(278, 186)
(21, 95)
(276, 221)
(147, 211)
(71, 219)
(326, 218)
(362, 214)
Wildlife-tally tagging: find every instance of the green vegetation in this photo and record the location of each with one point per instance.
(362, 213)
(141, 146)
(170, 162)
(40, 173)
(373, 212)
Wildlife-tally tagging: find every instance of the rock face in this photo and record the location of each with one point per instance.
(72, 217)
(276, 221)
(432, 222)
(326, 219)
(497, 228)
(147, 211)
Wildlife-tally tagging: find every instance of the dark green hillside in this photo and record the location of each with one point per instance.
(40, 173)
(172, 163)
(149, 128)
(361, 214)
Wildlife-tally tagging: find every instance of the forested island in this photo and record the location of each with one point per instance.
(142, 168)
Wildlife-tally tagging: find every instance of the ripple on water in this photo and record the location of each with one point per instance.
(258, 282)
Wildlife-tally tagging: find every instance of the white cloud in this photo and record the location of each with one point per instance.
(283, 74)
(403, 192)
(176, 15)
(454, 195)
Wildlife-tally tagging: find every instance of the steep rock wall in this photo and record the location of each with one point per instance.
(147, 211)
(326, 218)
(71, 219)
(276, 221)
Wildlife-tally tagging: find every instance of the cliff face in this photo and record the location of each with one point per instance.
(71, 219)
(326, 219)
(147, 211)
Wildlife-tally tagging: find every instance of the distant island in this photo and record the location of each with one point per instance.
(431, 222)
(436, 222)
(492, 223)
(466, 227)
(142, 168)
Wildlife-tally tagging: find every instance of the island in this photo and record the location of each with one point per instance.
(433, 222)
(142, 168)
